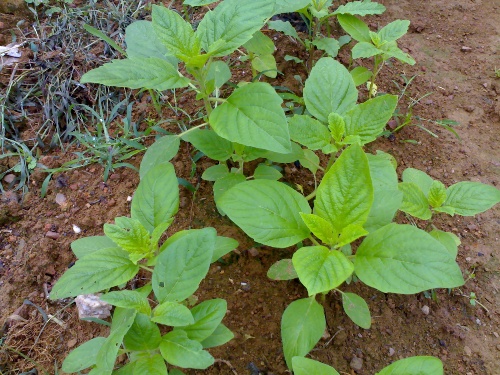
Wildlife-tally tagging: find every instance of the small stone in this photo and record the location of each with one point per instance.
(50, 270)
(485, 85)
(115, 176)
(469, 108)
(91, 306)
(245, 286)
(9, 178)
(356, 363)
(73, 187)
(472, 227)
(391, 352)
(61, 200)
(495, 334)
(111, 203)
(426, 309)
(253, 252)
(498, 347)
(467, 351)
(52, 235)
(71, 343)
(465, 49)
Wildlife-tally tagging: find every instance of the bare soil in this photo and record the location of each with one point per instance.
(456, 44)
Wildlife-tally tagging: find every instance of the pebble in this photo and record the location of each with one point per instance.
(52, 235)
(391, 352)
(253, 252)
(356, 363)
(495, 334)
(426, 309)
(467, 351)
(9, 178)
(465, 49)
(498, 347)
(61, 199)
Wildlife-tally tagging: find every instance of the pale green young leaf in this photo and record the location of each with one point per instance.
(138, 73)
(289, 6)
(356, 308)
(306, 366)
(449, 240)
(260, 44)
(336, 124)
(394, 30)
(404, 259)
(215, 172)
(330, 45)
(350, 234)
(252, 116)
(142, 41)
(219, 73)
(356, 28)
(446, 209)
(414, 366)
(177, 349)
(223, 246)
(391, 49)
(84, 356)
(364, 50)
(207, 317)
(156, 199)
(285, 27)
(100, 270)
(414, 201)
(471, 198)
(321, 228)
(282, 270)
(151, 365)
(302, 325)
(212, 145)
(310, 161)
(276, 205)
(88, 245)
(360, 75)
(265, 172)
(360, 8)
(175, 33)
(329, 149)
(265, 64)
(345, 195)
(162, 151)
(182, 265)
(128, 299)
(158, 232)
(308, 132)
(232, 24)
(143, 334)
(131, 236)
(172, 314)
(375, 38)
(437, 194)
(368, 120)
(329, 88)
(220, 336)
(225, 183)
(418, 177)
(321, 269)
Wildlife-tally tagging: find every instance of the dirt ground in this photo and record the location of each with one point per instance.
(456, 44)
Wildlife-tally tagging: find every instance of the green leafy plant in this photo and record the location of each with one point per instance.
(176, 269)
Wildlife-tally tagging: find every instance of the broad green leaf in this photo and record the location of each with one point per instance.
(225, 183)
(360, 8)
(100, 270)
(350, 234)
(156, 199)
(175, 372)
(158, 232)
(199, 3)
(345, 195)
(208, 142)
(276, 205)
(289, 6)
(356, 28)
(179, 350)
(138, 73)
(265, 172)
(290, 157)
(321, 269)
(414, 201)
(336, 124)
(182, 265)
(471, 198)
(265, 64)
(131, 236)
(207, 317)
(356, 308)
(364, 50)
(175, 33)
(88, 245)
(391, 49)
(404, 259)
(308, 132)
(418, 177)
(368, 119)
(360, 75)
(437, 194)
(223, 246)
(128, 299)
(151, 365)
(449, 240)
(282, 270)
(310, 161)
(142, 41)
(220, 336)
(143, 335)
(247, 153)
(321, 228)
(215, 172)
(219, 72)
(394, 30)
(285, 27)
(162, 151)
(414, 366)
(306, 366)
(329, 88)
(172, 314)
(330, 45)
(260, 44)
(232, 24)
(446, 209)
(84, 356)
(252, 116)
(302, 325)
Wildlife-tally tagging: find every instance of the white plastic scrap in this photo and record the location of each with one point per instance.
(76, 229)
(91, 306)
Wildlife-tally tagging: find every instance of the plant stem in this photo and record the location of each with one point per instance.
(312, 195)
(314, 241)
(191, 129)
(146, 268)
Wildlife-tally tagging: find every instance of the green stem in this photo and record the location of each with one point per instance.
(312, 195)
(146, 268)
(191, 129)
(314, 241)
